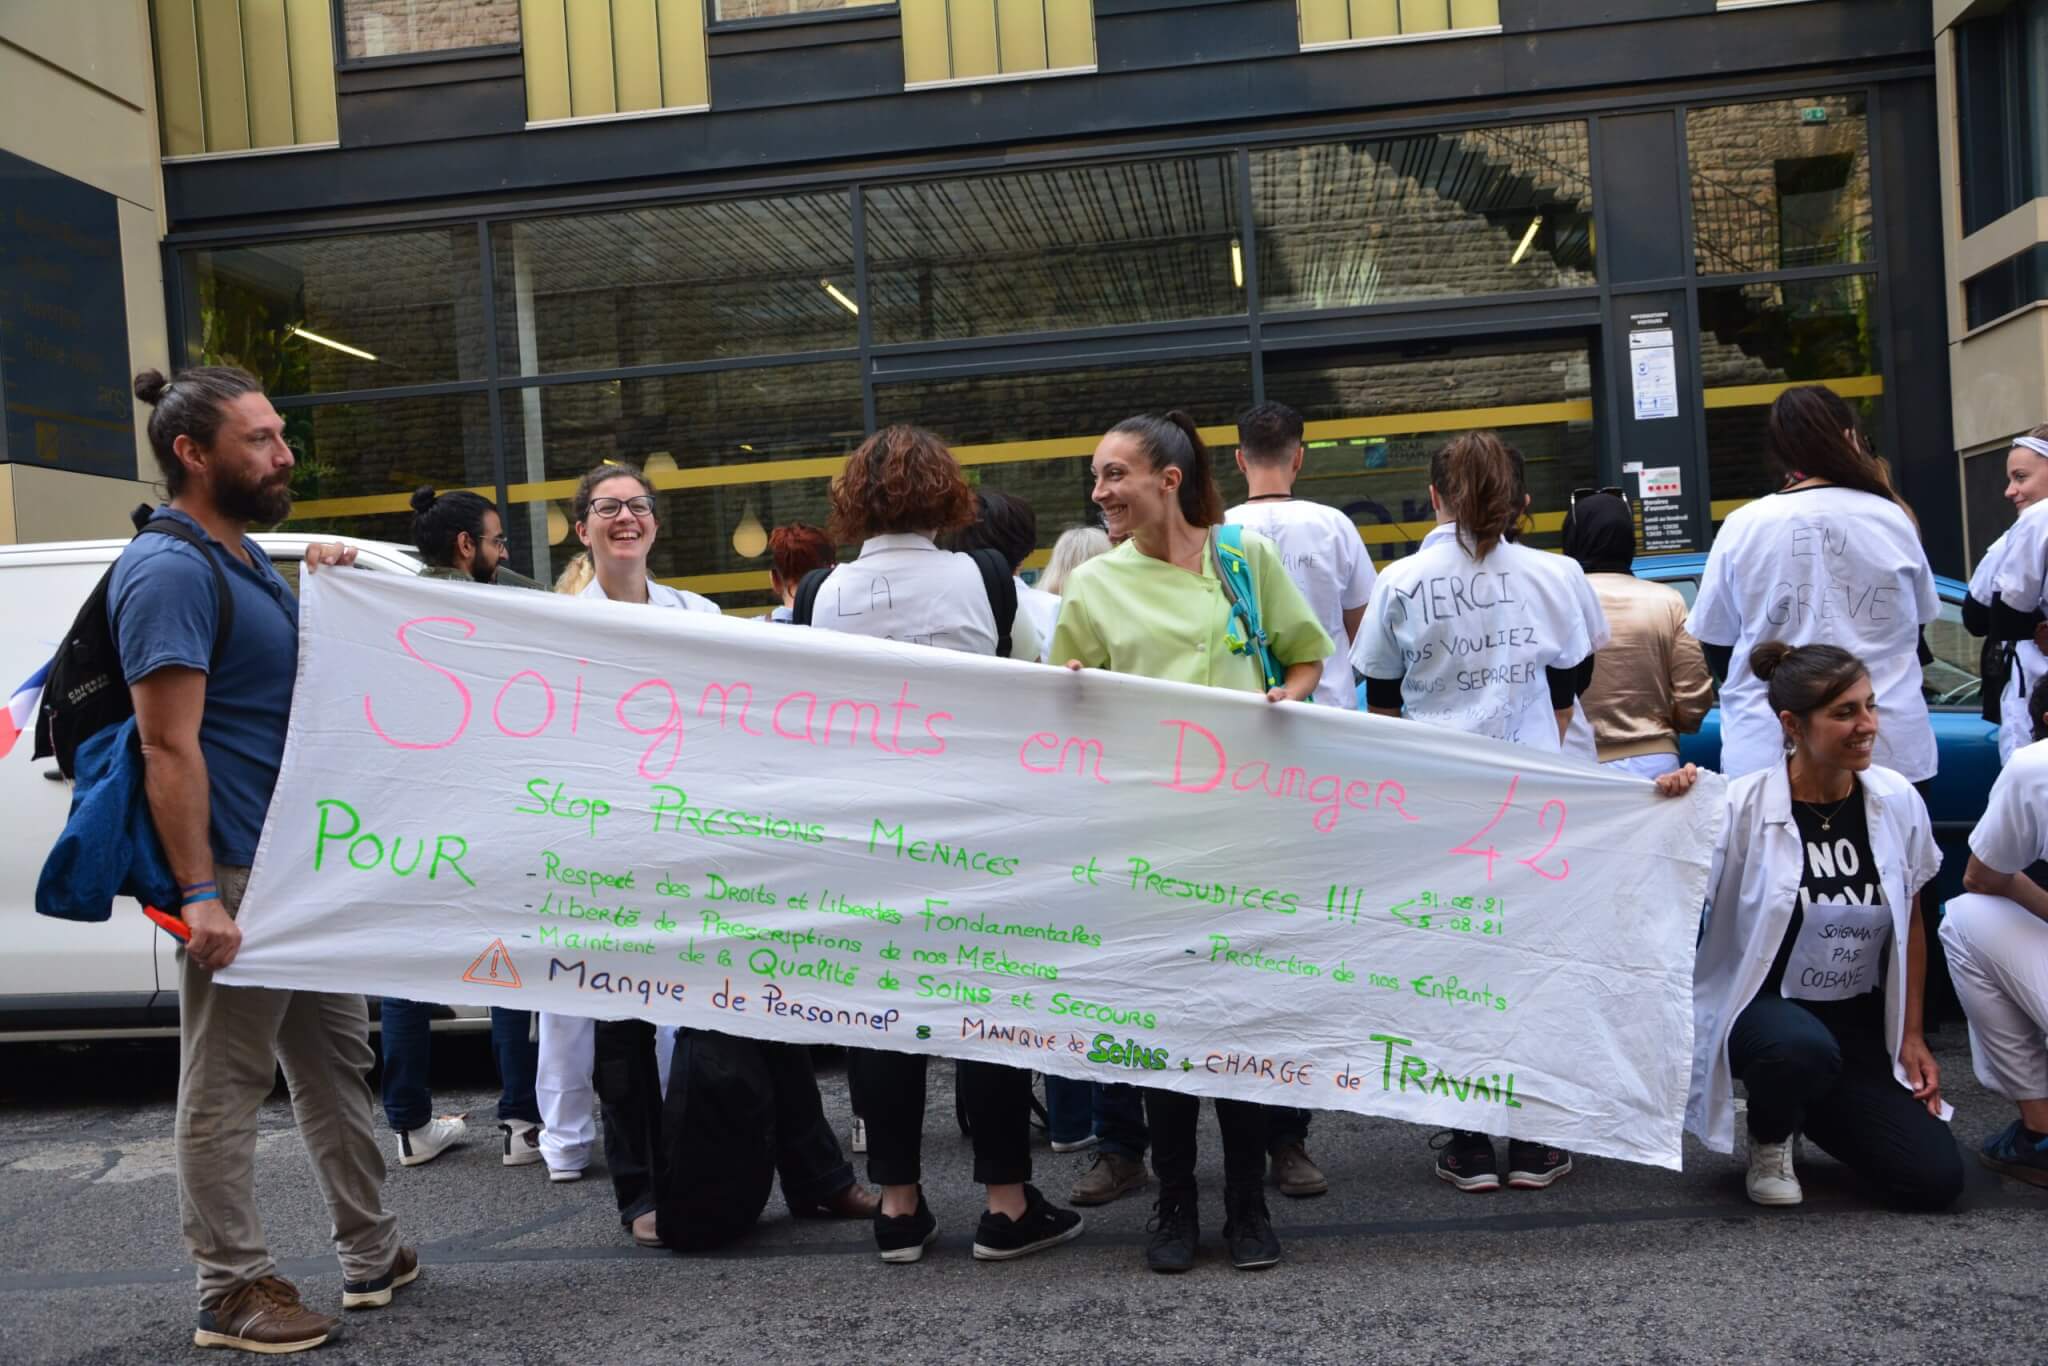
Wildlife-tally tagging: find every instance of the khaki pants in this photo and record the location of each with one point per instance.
(230, 1042)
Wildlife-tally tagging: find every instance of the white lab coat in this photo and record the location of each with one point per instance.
(1755, 884)
(661, 595)
(2013, 569)
(1821, 565)
(1470, 640)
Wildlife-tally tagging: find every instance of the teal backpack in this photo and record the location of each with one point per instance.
(1246, 634)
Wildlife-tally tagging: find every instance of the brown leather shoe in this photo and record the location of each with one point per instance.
(1295, 1174)
(376, 1292)
(1109, 1176)
(851, 1201)
(647, 1230)
(264, 1315)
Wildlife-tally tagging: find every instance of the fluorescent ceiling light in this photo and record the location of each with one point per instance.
(1528, 240)
(295, 330)
(1236, 264)
(839, 297)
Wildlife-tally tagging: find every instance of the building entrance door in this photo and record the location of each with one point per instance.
(1375, 415)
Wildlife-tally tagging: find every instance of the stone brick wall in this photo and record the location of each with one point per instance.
(385, 28)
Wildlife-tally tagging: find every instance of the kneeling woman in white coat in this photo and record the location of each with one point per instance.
(1811, 972)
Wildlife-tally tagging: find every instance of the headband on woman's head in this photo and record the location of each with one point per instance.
(2034, 444)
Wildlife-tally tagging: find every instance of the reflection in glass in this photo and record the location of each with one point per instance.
(334, 313)
(984, 417)
(388, 447)
(1087, 246)
(676, 283)
(730, 11)
(1438, 215)
(1780, 184)
(687, 425)
(391, 28)
(1771, 335)
(1372, 460)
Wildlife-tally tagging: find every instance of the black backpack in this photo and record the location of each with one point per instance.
(86, 692)
(996, 580)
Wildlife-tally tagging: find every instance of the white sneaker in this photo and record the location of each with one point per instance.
(425, 1144)
(521, 1142)
(1771, 1180)
(1078, 1145)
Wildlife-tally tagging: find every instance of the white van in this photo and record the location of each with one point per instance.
(118, 978)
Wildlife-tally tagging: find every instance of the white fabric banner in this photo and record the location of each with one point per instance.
(517, 799)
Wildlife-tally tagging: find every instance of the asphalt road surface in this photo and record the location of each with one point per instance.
(1615, 1263)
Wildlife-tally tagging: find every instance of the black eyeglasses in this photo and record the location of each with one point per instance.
(500, 540)
(640, 505)
(1610, 490)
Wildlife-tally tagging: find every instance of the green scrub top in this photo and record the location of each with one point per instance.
(1132, 614)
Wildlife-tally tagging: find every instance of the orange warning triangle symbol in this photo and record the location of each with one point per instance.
(493, 967)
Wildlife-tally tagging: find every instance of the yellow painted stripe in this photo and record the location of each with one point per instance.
(108, 424)
(757, 580)
(1723, 506)
(372, 504)
(1449, 420)
(1755, 395)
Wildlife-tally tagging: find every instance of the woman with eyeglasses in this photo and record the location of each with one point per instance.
(1650, 682)
(615, 519)
(1831, 558)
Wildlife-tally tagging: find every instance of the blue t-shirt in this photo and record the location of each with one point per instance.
(164, 607)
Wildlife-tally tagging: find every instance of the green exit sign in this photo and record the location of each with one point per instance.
(1813, 113)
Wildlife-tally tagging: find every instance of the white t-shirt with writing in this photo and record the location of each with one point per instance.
(2012, 834)
(1327, 561)
(1814, 566)
(2012, 569)
(903, 587)
(1470, 639)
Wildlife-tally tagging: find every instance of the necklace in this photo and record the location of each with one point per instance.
(1827, 818)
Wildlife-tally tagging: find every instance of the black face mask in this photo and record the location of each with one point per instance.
(1600, 534)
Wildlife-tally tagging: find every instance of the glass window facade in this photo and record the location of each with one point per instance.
(1436, 216)
(1780, 184)
(734, 11)
(358, 463)
(398, 28)
(2012, 284)
(2002, 110)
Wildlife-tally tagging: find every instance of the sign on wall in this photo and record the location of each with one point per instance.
(607, 810)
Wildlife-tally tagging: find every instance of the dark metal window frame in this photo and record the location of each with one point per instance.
(344, 62)
(2002, 151)
(1527, 314)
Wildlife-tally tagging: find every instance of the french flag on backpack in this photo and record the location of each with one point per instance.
(21, 709)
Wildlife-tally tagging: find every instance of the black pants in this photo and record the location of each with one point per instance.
(808, 1161)
(1285, 1125)
(1830, 1078)
(1172, 1116)
(996, 1101)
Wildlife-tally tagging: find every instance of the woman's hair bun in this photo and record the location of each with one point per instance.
(423, 498)
(150, 386)
(1765, 658)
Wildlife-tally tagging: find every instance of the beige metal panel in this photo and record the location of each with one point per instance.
(267, 73)
(927, 48)
(2001, 238)
(92, 42)
(592, 88)
(1020, 29)
(1069, 34)
(74, 129)
(59, 505)
(543, 36)
(685, 83)
(177, 64)
(7, 505)
(1375, 18)
(1951, 175)
(1323, 21)
(220, 75)
(1425, 16)
(636, 49)
(1999, 378)
(1475, 13)
(312, 43)
(972, 24)
(149, 339)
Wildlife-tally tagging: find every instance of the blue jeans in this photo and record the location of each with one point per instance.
(408, 1059)
(1120, 1120)
(1069, 1109)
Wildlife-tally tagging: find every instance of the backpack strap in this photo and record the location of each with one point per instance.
(1233, 570)
(1001, 586)
(807, 595)
(223, 595)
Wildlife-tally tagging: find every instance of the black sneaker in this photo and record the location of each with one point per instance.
(1532, 1166)
(904, 1237)
(1000, 1238)
(1466, 1160)
(1176, 1229)
(1248, 1231)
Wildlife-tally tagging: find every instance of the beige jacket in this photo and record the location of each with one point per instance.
(1651, 684)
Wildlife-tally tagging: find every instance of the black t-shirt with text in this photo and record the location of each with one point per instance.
(1837, 867)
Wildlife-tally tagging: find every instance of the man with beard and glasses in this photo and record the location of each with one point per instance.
(212, 728)
(462, 538)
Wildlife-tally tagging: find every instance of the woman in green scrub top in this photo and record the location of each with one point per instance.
(1154, 606)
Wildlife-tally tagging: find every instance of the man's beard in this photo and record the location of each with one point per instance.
(262, 502)
(480, 572)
